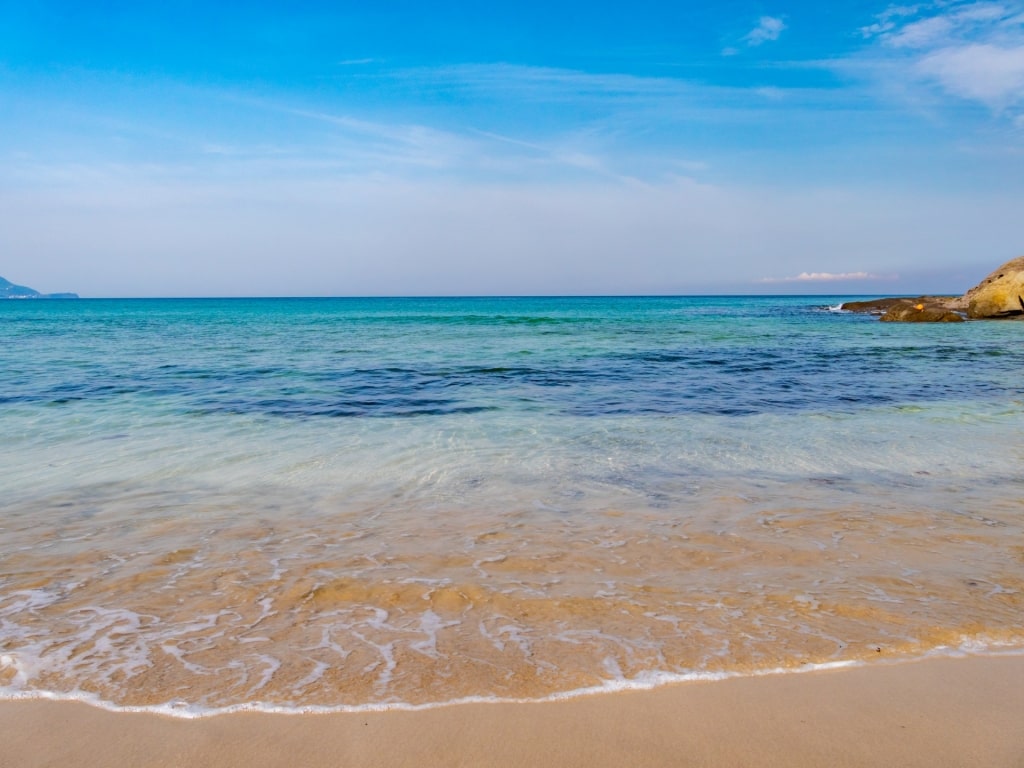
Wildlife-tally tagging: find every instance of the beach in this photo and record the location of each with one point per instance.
(627, 529)
(513, 385)
(936, 712)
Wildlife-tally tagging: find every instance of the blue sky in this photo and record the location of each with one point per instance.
(472, 148)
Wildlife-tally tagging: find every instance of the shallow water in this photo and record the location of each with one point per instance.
(294, 503)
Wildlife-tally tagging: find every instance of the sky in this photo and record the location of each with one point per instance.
(457, 148)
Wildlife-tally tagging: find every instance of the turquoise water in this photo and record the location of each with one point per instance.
(349, 502)
(432, 357)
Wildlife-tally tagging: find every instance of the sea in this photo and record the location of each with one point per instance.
(301, 505)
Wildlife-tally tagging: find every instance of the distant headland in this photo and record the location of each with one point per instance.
(9, 290)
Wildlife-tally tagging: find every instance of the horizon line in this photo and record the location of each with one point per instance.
(477, 296)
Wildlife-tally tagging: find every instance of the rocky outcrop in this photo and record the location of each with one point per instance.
(923, 309)
(1001, 294)
(944, 304)
(919, 313)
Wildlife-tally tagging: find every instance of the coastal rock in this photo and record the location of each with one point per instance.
(873, 306)
(1001, 294)
(881, 306)
(923, 309)
(919, 313)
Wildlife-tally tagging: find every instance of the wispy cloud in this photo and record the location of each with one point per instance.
(972, 51)
(888, 19)
(990, 74)
(539, 82)
(568, 125)
(768, 29)
(601, 96)
(827, 277)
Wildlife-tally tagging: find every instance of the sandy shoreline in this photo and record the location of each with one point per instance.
(937, 712)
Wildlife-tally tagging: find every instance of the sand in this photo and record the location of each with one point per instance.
(937, 712)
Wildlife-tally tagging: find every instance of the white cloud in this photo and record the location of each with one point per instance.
(826, 277)
(973, 50)
(768, 28)
(985, 73)
(886, 21)
(948, 25)
(921, 33)
(983, 12)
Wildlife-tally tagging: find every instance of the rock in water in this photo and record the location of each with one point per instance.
(918, 313)
(924, 309)
(883, 306)
(1001, 294)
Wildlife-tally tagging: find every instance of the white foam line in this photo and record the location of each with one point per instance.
(643, 682)
(319, 667)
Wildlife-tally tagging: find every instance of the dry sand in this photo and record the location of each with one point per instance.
(939, 712)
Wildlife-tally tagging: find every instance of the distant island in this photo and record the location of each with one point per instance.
(9, 290)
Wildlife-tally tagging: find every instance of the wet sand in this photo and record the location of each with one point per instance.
(938, 712)
(422, 606)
